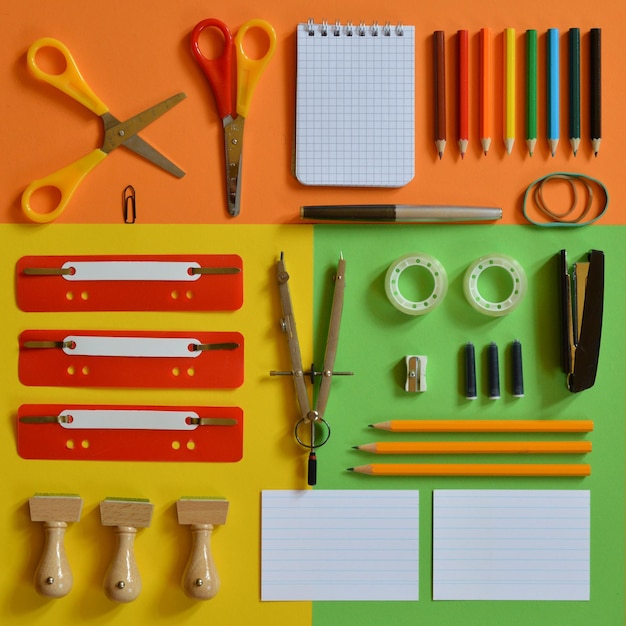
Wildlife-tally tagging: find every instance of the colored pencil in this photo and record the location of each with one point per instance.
(595, 105)
(531, 90)
(471, 469)
(486, 87)
(509, 88)
(476, 447)
(486, 426)
(439, 58)
(463, 91)
(574, 89)
(552, 89)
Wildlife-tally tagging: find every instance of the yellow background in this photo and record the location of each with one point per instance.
(271, 459)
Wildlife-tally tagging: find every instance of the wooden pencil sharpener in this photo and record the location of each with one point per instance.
(201, 580)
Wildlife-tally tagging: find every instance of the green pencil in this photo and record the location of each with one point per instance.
(531, 90)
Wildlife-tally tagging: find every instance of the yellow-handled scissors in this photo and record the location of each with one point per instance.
(116, 133)
(219, 74)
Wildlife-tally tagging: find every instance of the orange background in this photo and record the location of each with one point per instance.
(134, 54)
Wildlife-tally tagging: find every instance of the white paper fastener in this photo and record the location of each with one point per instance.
(513, 269)
(131, 270)
(436, 270)
(131, 346)
(127, 419)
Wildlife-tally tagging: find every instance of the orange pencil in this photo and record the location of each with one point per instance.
(486, 426)
(477, 447)
(463, 91)
(485, 121)
(471, 469)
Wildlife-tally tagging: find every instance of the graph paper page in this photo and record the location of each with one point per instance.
(355, 106)
(511, 545)
(339, 545)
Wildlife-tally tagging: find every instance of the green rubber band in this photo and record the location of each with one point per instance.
(561, 219)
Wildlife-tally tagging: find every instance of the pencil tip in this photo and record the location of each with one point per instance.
(440, 156)
(370, 425)
(351, 469)
(355, 447)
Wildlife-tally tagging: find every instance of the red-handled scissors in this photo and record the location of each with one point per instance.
(219, 74)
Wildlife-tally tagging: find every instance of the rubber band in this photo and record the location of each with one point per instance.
(569, 217)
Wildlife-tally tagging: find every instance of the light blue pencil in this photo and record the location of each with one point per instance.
(552, 89)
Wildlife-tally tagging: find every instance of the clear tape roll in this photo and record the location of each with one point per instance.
(433, 267)
(518, 289)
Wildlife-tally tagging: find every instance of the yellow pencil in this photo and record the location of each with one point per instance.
(471, 469)
(486, 426)
(477, 447)
(509, 88)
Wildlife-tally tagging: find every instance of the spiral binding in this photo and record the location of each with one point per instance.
(336, 30)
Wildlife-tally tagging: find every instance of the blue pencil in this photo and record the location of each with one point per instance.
(552, 89)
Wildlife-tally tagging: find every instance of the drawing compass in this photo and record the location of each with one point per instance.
(312, 430)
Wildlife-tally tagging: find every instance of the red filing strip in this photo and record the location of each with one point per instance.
(160, 359)
(204, 282)
(218, 442)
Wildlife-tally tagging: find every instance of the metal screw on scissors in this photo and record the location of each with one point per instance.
(116, 133)
(219, 74)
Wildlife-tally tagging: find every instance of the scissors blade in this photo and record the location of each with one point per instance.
(233, 145)
(125, 134)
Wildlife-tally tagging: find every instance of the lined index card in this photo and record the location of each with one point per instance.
(340, 545)
(511, 545)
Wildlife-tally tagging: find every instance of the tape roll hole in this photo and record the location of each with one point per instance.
(416, 283)
(496, 284)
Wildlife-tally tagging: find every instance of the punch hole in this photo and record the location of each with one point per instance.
(191, 371)
(174, 295)
(71, 371)
(84, 444)
(85, 370)
(175, 445)
(175, 371)
(69, 295)
(69, 444)
(189, 295)
(84, 295)
(191, 445)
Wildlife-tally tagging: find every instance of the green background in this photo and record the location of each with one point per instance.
(374, 340)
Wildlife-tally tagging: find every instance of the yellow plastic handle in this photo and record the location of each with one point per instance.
(249, 70)
(66, 180)
(70, 80)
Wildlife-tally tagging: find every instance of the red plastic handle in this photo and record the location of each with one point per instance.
(218, 71)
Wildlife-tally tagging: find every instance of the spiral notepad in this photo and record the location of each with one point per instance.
(355, 105)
